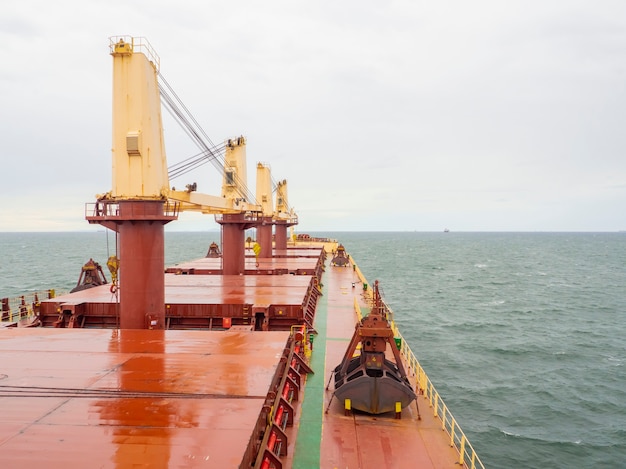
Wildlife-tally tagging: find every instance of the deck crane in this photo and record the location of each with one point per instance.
(284, 216)
(279, 216)
(264, 196)
(232, 210)
(141, 201)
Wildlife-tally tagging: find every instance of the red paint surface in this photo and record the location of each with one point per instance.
(76, 398)
(367, 441)
(280, 236)
(233, 242)
(84, 397)
(264, 237)
(142, 287)
(139, 224)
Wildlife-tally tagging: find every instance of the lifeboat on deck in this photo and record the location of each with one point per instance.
(370, 380)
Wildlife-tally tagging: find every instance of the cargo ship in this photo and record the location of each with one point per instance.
(272, 351)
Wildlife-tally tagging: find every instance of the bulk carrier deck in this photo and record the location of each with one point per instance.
(93, 397)
(225, 361)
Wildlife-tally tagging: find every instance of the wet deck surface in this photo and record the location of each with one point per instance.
(76, 398)
(212, 289)
(252, 263)
(360, 440)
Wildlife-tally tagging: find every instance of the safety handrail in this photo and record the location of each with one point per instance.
(138, 45)
(274, 444)
(23, 306)
(467, 454)
(110, 210)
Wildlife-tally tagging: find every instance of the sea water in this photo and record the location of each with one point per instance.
(521, 333)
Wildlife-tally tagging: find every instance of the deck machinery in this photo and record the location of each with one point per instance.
(340, 257)
(369, 380)
(141, 201)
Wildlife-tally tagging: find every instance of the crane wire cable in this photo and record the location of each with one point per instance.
(189, 164)
(206, 151)
(210, 153)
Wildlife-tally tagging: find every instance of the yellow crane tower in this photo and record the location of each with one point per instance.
(141, 201)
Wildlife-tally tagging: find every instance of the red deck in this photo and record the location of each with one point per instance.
(211, 289)
(108, 398)
(202, 301)
(360, 440)
(100, 398)
(292, 261)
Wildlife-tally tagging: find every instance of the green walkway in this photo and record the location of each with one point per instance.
(307, 450)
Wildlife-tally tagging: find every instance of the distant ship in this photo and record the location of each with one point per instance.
(446, 230)
(267, 353)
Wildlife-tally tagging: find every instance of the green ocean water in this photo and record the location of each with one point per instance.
(521, 333)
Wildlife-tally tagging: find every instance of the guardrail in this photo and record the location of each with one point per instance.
(110, 210)
(273, 447)
(248, 216)
(24, 306)
(137, 44)
(467, 454)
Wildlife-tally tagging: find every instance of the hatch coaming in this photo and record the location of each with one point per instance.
(205, 301)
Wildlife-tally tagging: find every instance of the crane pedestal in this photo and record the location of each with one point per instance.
(280, 238)
(141, 246)
(264, 237)
(233, 242)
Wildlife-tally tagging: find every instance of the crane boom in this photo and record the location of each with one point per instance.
(139, 159)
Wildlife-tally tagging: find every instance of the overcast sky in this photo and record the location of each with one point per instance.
(382, 115)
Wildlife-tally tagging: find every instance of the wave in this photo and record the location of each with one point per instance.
(616, 442)
(524, 449)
